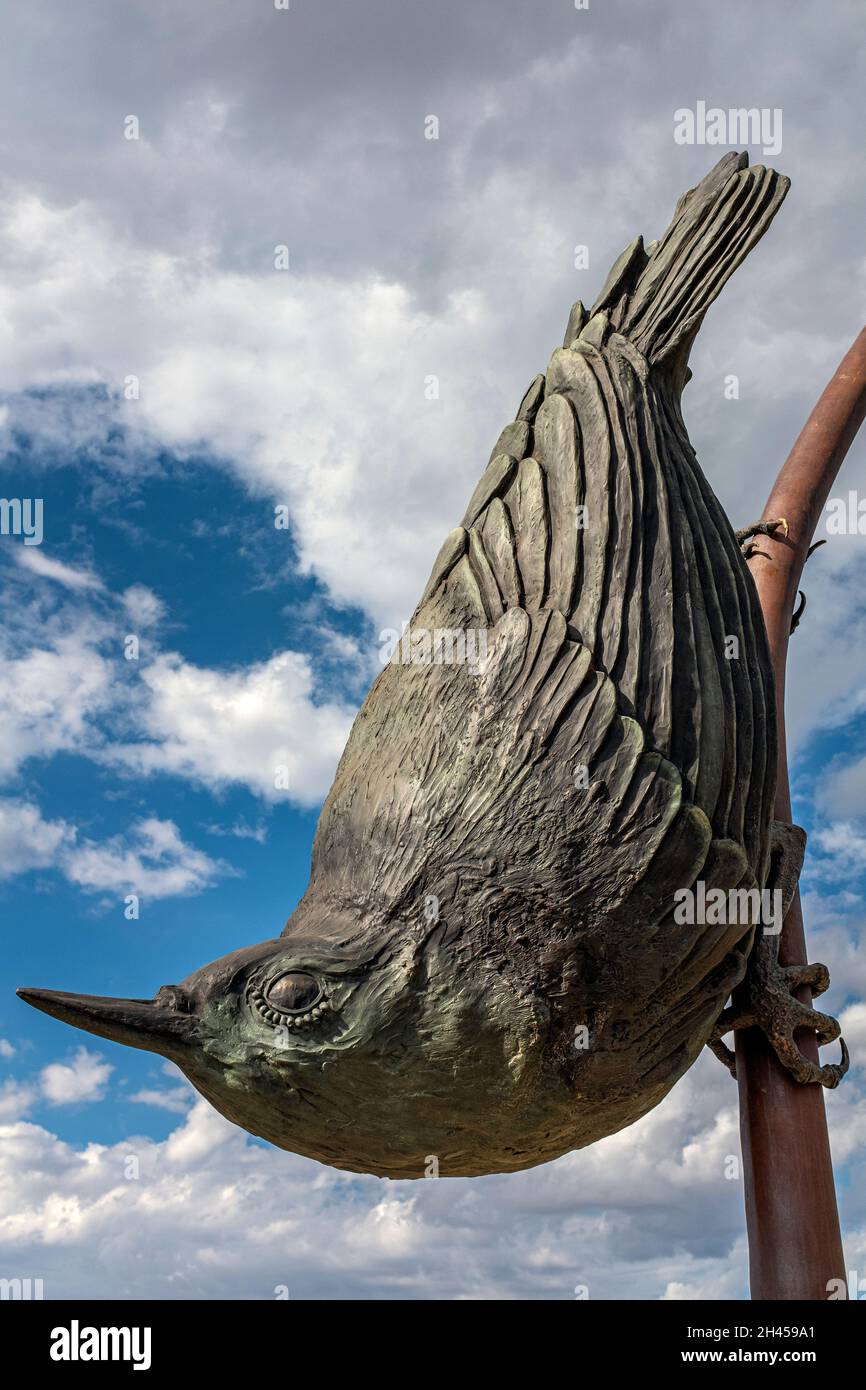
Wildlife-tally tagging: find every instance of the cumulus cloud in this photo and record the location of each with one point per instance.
(27, 841)
(67, 688)
(853, 1021)
(151, 859)
(369, 505)
(826, 685)
(16, 1099)
(259, 726)
(208, 1213)
(84, 1078)
(176, 1101)
(142, 606)
(52, 694)
(843, 789)
(844, 846)
(378, 439)
(81, 1079)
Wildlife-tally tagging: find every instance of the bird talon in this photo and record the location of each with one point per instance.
(766, 998)
(763, 528)
(759, 528)
(815, 975)
(798, 612)
(771, 1005)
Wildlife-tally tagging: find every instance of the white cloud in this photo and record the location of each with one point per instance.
(853, 1021)
(67, 688)
(71, 578)
(391, 1227)
(82, 1079)
(240, 830)
(6, 1048)
(842, 789)
(311, 385)
(151, 859)
(176, 1101)
(838, 938)
(16, 1099)
(646, 1214)
(826, 682)
(26, 840)
(50, 695)
(845, 846)
(374, 472)
(242, 727)
(142, 606)
(707, 1281)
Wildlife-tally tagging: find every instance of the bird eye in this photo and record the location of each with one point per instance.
(295, 992)
(293, 1000)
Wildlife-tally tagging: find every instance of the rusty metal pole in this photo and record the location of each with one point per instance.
(795, 1246)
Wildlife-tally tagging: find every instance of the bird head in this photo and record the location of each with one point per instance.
(366, 1048)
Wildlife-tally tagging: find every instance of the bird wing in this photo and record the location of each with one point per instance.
(596, 568)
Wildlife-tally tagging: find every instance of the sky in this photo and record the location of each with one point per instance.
(171, 393)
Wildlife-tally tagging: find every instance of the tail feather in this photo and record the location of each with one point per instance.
(714, 228)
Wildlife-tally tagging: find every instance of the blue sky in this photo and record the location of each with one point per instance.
(195, 540)
(306, 389)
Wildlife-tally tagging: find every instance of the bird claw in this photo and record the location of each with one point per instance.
(762, 528)
(766, 998)
(770, 1005)
(759, 528)
(748, 548)
(798, 612)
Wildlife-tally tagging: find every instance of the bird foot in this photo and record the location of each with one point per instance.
(759, 528)
(770, 1005)
(766, 998)
(749, 548)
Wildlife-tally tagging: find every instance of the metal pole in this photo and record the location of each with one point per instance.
(795, 1246)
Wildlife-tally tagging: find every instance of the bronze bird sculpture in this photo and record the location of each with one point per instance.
(489, 966)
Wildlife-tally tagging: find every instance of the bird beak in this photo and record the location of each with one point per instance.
(150, 1024)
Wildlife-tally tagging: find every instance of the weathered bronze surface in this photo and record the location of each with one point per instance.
(486, 967)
